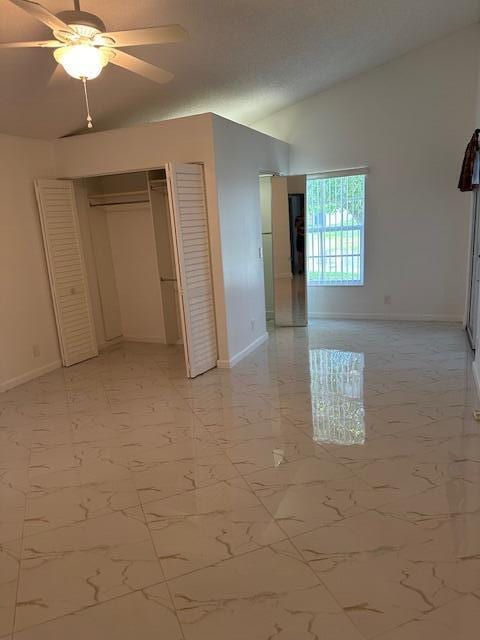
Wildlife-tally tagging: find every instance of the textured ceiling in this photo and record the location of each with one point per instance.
(244, 59)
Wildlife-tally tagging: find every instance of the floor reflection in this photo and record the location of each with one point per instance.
(290, 301)
(338, 414)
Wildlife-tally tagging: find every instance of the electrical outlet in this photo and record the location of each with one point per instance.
(387, 300)
(36, 350)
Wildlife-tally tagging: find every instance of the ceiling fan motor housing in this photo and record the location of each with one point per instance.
(85, 24)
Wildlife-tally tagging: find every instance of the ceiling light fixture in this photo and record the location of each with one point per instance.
(83, 60)
(83, 47)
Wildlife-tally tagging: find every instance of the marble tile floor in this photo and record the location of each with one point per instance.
(328, 487)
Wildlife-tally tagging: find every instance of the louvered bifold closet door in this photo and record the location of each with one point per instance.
(66, 270)
(188, 213)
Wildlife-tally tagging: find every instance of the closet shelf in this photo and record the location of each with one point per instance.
(124, 198)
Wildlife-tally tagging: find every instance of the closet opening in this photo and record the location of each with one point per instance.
(130, 264)
(129, 261)
(129, 258)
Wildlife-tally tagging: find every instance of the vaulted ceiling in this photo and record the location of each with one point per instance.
(244, 59)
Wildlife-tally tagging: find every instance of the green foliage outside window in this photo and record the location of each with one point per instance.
(335, 226)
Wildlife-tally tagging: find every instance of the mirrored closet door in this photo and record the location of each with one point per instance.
(288, 201)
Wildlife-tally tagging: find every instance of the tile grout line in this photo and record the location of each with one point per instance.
(163, 572)
(20, 560)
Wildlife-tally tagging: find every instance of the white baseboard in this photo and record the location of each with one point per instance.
(326, 315)
(228, 364)
(476, 376)
(29, 375)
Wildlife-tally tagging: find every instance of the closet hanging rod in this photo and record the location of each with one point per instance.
(119, 194)
(112, 204)
(153, 182)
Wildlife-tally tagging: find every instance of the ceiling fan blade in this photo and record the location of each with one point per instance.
(40, 13)
(140, 67)
(43, 44)
(150, 35)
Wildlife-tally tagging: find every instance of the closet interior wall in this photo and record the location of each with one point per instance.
(124, 226)
(158, 195)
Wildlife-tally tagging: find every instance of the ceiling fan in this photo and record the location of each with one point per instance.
(83, 47)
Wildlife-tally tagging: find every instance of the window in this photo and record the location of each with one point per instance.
(335, 229)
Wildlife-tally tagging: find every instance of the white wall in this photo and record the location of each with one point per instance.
(409, 121)
(136, 273)
(26, 312)
(148, 146)
(240, 156)
(103, 268)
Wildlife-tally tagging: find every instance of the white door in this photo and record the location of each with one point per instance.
(188, 214)
(66, 270)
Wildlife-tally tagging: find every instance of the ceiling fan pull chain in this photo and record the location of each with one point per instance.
(89, 117)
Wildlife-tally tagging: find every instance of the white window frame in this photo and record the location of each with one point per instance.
(360, 171)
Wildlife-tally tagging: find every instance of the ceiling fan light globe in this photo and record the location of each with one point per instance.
(82, 60)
